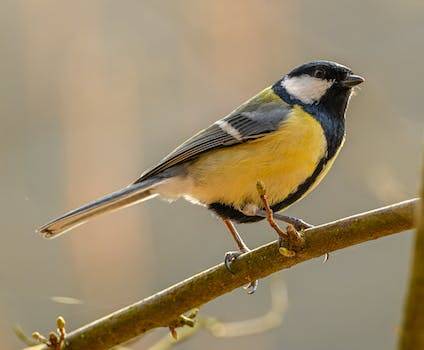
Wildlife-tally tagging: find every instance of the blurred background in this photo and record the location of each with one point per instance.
(92, 92)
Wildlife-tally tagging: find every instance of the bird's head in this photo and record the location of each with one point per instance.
(324, 83)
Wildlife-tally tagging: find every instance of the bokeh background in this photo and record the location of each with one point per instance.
(92, 92)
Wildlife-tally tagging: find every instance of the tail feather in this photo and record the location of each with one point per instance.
(125, 197)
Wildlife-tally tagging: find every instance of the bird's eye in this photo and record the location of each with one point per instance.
(319, 73)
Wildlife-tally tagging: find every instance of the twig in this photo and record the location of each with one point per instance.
(161, 309)
(54, 341)
(272, 319)
(182, 321)
(23, 337)
(412, 332)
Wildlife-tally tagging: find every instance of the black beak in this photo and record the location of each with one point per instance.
(352, 80)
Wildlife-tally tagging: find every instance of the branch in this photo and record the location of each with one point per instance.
(412, 333)
(163, 308)
(272, 319)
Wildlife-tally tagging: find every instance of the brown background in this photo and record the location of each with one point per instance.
(93, 92)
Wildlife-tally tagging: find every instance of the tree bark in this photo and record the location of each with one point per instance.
(163, 308)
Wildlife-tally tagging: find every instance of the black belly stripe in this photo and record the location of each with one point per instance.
(229, 212)
(302, 189)
(226, 211)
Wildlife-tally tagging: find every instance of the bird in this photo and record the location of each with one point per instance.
(267, 154)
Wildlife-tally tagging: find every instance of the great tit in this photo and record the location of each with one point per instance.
(285, 138)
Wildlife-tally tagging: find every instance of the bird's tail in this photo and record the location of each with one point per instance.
(125, 197)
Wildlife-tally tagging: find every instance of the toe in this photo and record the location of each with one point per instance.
(302, 225)
(251, 287)
(229, 258)
(326, 257)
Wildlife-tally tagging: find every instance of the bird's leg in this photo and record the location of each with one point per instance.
(236, 236)
(289, 241)
(231, 256)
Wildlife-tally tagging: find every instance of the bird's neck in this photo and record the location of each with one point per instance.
(333, 125)
(330, 112)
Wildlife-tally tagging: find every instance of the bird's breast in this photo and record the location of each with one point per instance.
(281, 160)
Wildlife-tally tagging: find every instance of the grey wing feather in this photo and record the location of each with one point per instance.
(250, 121)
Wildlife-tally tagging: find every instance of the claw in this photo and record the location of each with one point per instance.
(251, 287)
(326, 257)
(229, 258)
(233, 255)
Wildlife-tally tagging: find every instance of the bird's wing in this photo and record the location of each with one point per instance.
(257, 117)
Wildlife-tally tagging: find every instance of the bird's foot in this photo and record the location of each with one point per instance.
(291, 240)
(233, 255)
(251, 287)
(229, 259)
(326, 257)
(297, 223)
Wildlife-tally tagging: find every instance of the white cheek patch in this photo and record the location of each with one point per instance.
(306, 88)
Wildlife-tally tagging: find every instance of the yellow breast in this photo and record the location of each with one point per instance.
(282, 160)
